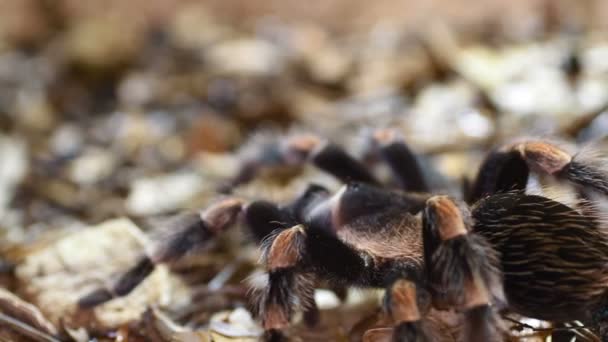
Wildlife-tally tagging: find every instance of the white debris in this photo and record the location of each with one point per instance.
(326, 299)
(490, 68)
(67, 140)
(446, 113)
(540, 90)
(237, 323)
(57, 276)
(92, 166)
(161, 194)
(13, 154)
(246, 57)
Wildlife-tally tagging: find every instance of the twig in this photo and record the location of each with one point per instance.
(524, 325)
(584, 333)
(26, 329)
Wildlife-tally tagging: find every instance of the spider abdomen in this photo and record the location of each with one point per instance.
(554, 260)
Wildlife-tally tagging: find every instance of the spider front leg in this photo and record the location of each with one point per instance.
(190, 233)
(194, 231)
(462, 269)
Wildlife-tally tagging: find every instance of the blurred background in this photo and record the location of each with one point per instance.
(142, 109)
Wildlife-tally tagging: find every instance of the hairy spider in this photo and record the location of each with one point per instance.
(501, 248)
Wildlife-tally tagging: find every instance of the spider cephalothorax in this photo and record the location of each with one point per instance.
(505, 248)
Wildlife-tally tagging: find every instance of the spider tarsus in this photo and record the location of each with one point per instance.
(311, 316)
(482, 325)
(277, 300)
(409, 331)
(95, 298)
(123, 286)
(128, 281)
(274, 336)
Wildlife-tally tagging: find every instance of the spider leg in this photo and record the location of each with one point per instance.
(501, 171)
(298, 150)
(462, 269)
(194, 232)
(328, 157)
(402, 304)
(482, 324)
(409, 306)
(310, 197)
(402, 161)
(264, 217)
(508, 168)
(296, 259)
(283, 253)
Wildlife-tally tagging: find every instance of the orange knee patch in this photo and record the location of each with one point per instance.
(450, 221)
(285, 249)
(222, 214)
(544, 156)
(404, 306)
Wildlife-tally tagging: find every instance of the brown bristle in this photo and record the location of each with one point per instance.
(404, 307)
(449, 217)
(544, 156)
(285, 249)
(274, 318)
(222, 214)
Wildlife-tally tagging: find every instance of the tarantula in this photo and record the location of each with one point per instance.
(500, 248)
